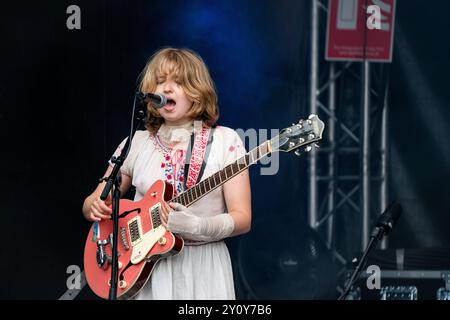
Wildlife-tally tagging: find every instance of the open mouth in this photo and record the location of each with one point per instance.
(171, 102)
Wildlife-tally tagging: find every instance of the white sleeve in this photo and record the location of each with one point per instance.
(234, 147)
(125, 169)
(128, 165)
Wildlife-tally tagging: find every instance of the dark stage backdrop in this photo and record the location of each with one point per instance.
(66, 96)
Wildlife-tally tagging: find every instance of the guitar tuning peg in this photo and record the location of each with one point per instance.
(308, 148)
(297, 153)
(316, 145)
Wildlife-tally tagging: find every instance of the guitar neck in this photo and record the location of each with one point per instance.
(207, 185)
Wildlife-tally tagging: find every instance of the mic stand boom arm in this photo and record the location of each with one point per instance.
(383, 226)
(376, 236)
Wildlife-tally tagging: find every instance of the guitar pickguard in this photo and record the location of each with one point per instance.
(146, 243)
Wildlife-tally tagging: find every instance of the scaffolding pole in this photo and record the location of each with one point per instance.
(312, 213)
(365, 156)
(331, 154)
(384, 157)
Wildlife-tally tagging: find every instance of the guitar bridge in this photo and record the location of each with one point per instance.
(123, 238)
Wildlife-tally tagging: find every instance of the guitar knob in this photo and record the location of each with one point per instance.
(162, 241)
(122, 284)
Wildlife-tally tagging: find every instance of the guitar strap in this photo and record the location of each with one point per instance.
(196, 156)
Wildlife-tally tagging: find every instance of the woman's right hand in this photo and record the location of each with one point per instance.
(94, 209)
(99, 209)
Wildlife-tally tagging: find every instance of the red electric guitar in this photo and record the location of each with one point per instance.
(143, 240)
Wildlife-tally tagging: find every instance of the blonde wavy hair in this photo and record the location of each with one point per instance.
(191, 72)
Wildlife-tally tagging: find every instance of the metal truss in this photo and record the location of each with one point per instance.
(355, 133)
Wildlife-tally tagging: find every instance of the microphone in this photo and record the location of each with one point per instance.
(387, 220)
(384, 225)
(158, 100)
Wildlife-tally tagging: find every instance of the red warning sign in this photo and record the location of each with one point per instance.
(352, 35)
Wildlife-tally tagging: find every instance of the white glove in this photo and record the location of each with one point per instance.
(183, 222)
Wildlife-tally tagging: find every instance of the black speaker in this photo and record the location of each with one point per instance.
(284, 259)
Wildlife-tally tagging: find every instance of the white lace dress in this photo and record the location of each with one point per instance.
(199, 271)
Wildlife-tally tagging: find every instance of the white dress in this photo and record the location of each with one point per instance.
(199, 271)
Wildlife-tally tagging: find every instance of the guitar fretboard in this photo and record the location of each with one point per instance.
(214, 181)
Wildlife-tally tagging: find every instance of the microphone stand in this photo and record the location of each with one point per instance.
(376, 236)
(113, 186)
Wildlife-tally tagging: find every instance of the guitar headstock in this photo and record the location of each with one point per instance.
(299, 136)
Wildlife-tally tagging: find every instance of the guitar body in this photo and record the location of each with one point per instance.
(142, 242)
